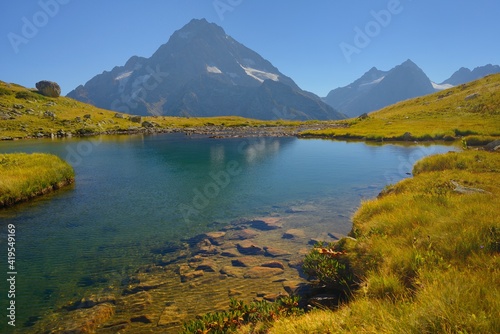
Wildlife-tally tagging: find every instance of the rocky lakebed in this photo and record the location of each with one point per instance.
(247, 259)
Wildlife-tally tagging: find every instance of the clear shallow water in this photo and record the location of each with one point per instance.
(134, 193)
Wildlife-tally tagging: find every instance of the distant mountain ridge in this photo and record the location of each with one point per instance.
(464, 75)
(201, 71)
(377, 89)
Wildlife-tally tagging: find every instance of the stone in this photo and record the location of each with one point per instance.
(189, 276)
(247, 247)
(48, 88)
(216, 238)
(85, 320)
(91, 301)
(207, 266)
(291, 286)
(242, 234)
(144, 286)
(171, 316)
(205, 247)
(233, 271)
(271, 297)
(135, 119)
(262, 272)
(18, 106)
(230, 253)
(87, 116)
(407, 136)
(363, 116)
(295, 264)
(471, 96)
(275, 252)
(49, 114)
(266, 224)
(246, 261)
(234, 292)
(273, 264)
(118, 115)
(147, 124)
(466, 190)
(294, 234)
(493, 146)
(145, 319)
(136, 303)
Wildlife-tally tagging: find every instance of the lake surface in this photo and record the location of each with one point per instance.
(134, 193)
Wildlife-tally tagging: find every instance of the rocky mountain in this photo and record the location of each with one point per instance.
(202, 71)
(464, 75)
(377, 89)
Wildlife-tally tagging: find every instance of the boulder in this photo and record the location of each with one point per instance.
(48, 88)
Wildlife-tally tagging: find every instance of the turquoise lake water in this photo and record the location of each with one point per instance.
(134, 193)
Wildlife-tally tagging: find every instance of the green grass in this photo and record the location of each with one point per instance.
(31, 119)
(445, 115)
(426, 258)
(24, 176)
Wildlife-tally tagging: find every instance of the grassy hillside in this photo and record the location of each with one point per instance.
(24, 113)
(24, 176)
(426, 254)
(469, 109)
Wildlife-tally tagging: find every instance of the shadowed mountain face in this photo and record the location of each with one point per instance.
(464, 75)
(377, 89)
(201, 71)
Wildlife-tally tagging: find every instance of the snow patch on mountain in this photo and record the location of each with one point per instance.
(124, 75)
(374, 82)
(213, 69)
(441, 87)
(260, 75)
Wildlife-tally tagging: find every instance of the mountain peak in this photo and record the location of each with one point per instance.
(201, 71)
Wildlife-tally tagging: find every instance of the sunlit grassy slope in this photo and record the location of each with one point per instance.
(25, 113)
(469, 109)
(426, 253)
(24, 176)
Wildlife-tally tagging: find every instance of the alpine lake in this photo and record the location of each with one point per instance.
(166, 227)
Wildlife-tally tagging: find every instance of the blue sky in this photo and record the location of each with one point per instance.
(316, 43)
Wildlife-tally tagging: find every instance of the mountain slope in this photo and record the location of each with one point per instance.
(201, 71)
(377, 89)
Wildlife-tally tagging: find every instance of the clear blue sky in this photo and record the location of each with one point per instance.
(78, 39)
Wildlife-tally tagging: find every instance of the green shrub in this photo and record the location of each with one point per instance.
(330, 266)
(258, 313)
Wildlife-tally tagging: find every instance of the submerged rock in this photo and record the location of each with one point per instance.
(275, 252)
(262, 272)
(247, 247)
(266, 224)
(294, 234)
